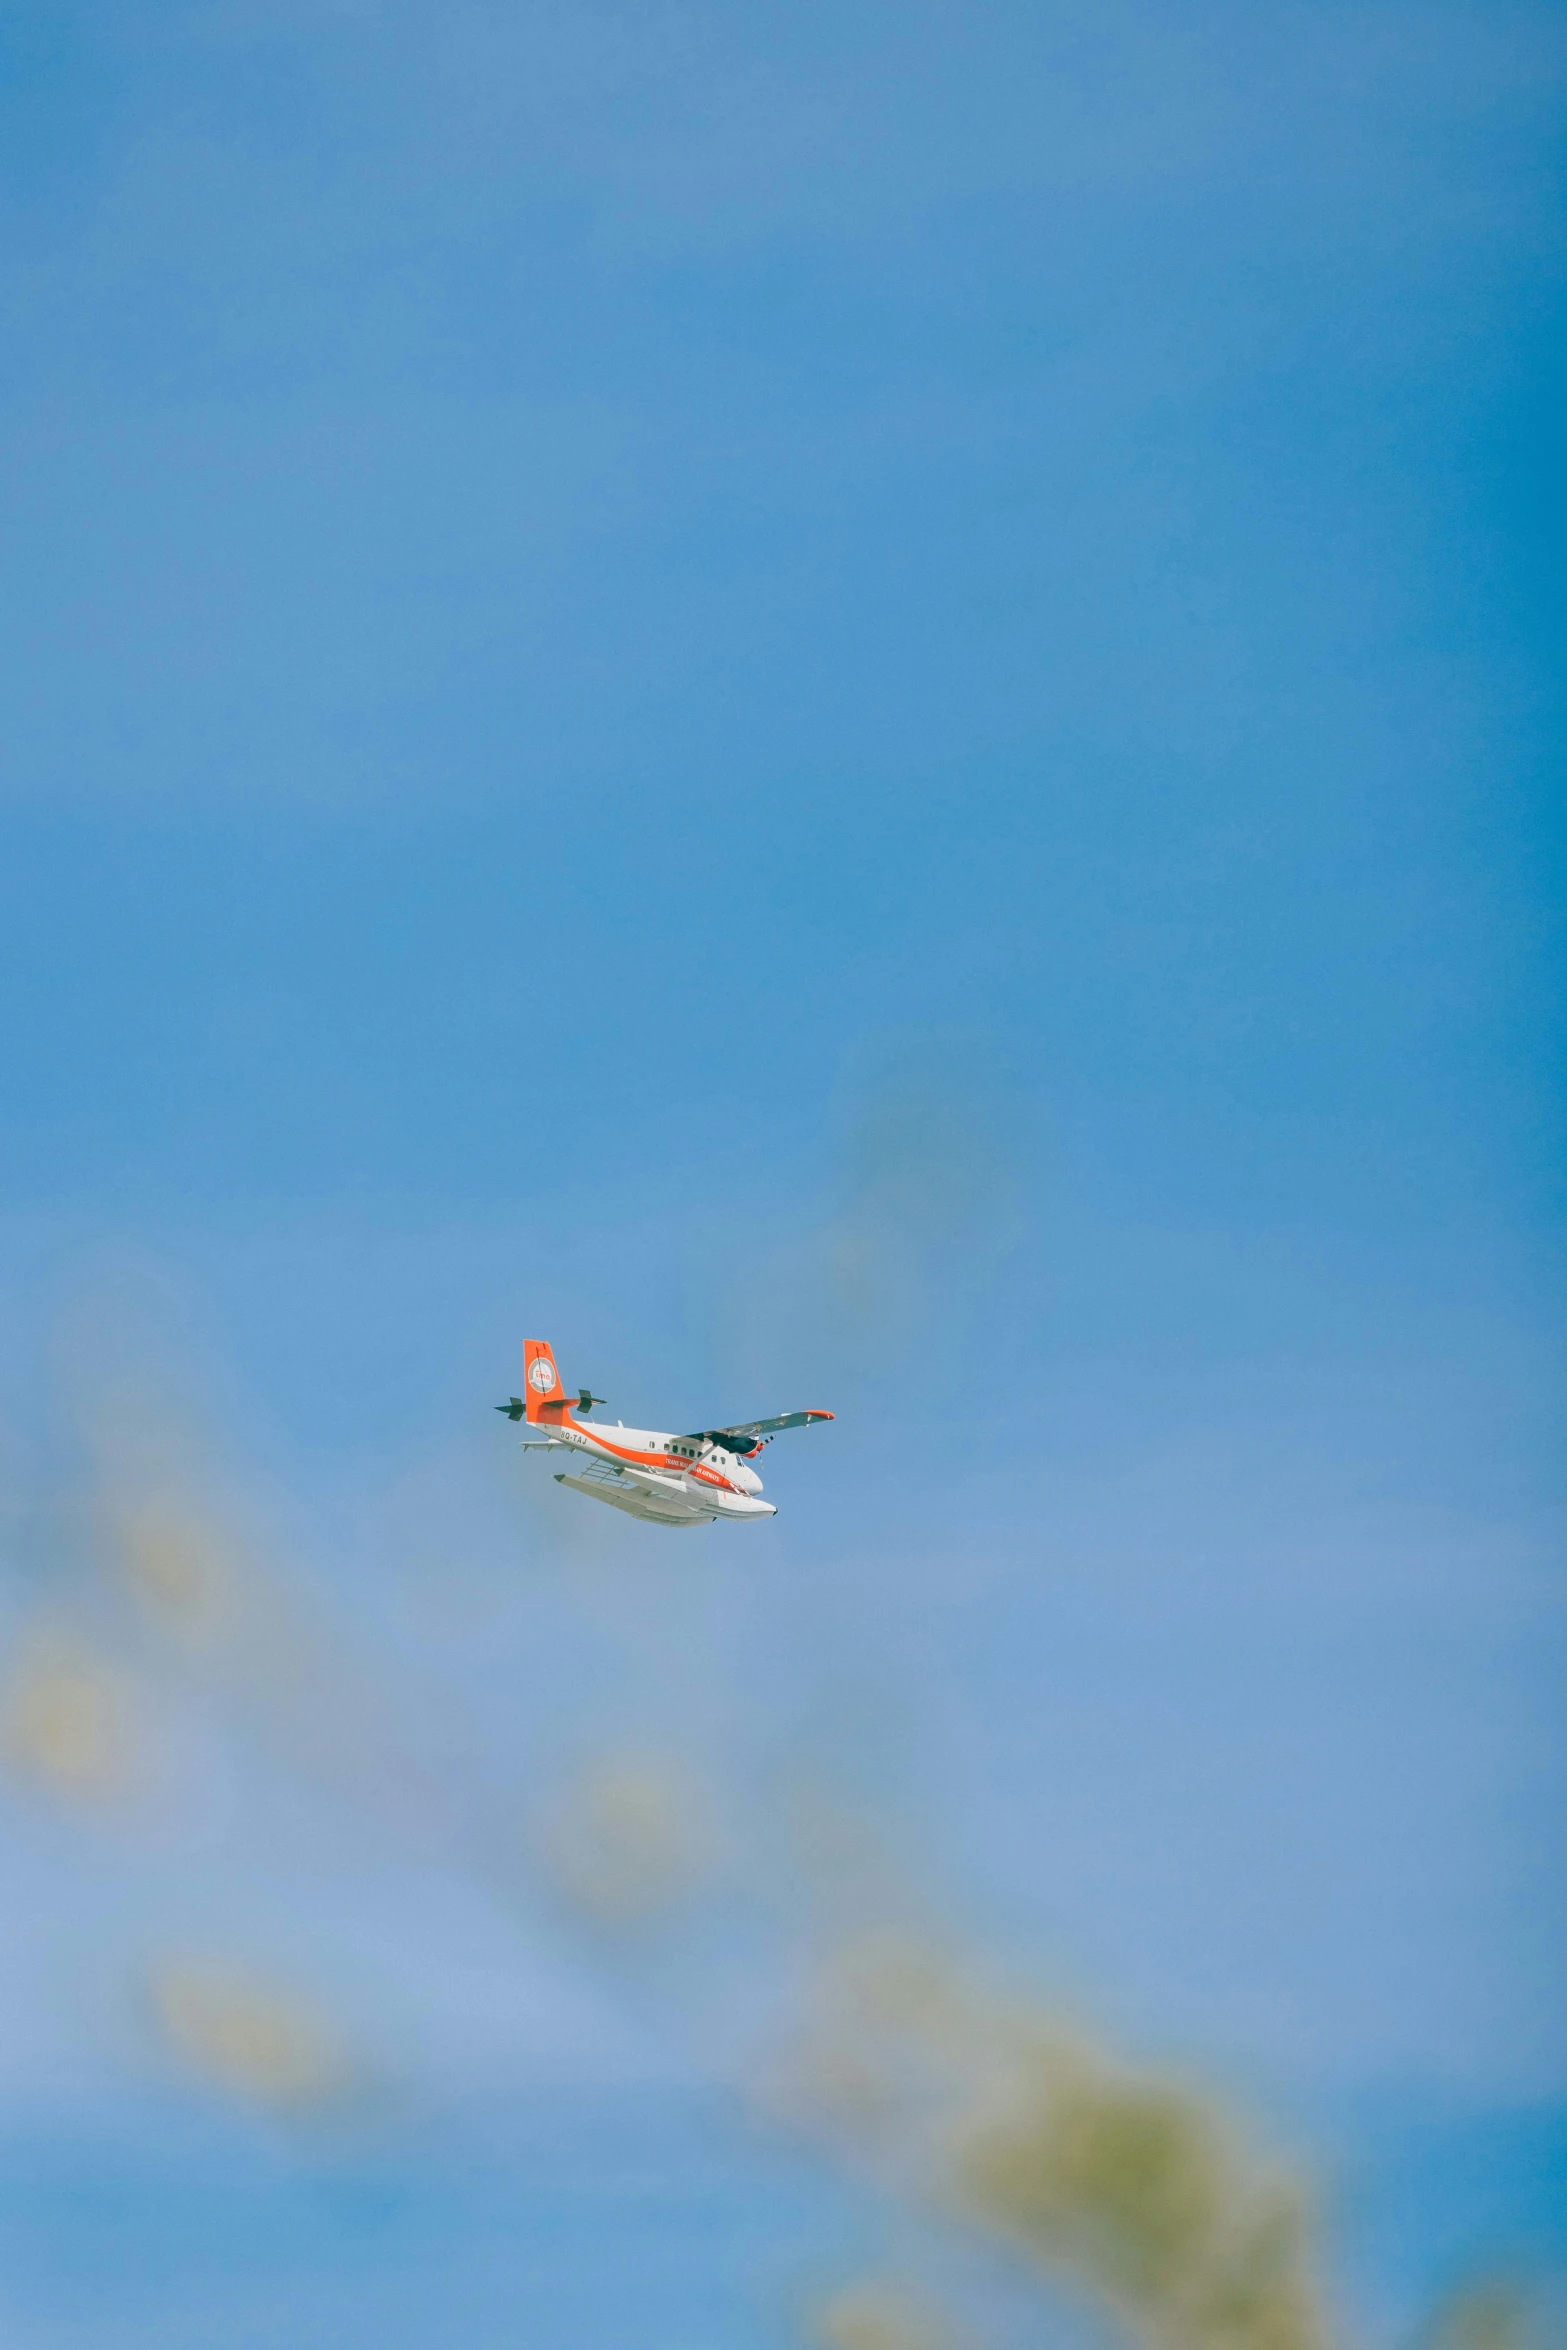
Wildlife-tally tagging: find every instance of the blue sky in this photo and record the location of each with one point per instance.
(856, 707)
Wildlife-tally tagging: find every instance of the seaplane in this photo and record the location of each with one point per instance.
(666, 1480)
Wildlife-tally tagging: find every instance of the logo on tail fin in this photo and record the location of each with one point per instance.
(541, 1381)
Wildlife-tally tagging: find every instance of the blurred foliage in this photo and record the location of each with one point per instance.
(877, 2316)
(1133, 2185)
(631, 1836)
(68, 1718)
(255, 2038)
(1139, 2188)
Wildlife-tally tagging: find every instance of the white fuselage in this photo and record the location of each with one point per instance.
(668, 1480)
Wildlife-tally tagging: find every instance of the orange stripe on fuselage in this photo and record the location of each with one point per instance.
(650, 1460)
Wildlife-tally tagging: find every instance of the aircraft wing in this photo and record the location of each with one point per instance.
(751, 1435)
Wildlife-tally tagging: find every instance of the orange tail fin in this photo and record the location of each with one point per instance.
(542, 1392)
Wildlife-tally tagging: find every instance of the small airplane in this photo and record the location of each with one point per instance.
(667, 1480)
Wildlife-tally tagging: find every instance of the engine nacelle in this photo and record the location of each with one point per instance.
(736, 1471)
